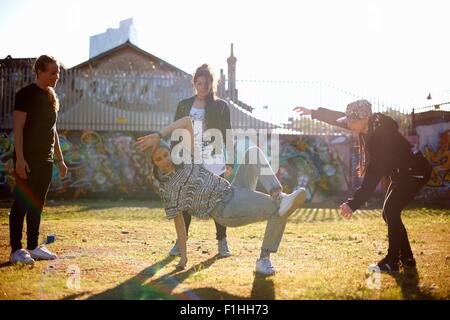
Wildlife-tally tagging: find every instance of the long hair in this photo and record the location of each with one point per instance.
(41, 64)
(211, 99)
(374, 122)
(205, 71)
(363, 156)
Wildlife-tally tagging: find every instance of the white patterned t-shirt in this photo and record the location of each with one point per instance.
(213, 163)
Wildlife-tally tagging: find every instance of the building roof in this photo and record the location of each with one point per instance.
(243, 105)
(430, 117)
(10, 62)
(128, 44)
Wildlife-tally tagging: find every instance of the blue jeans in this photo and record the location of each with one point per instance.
(248, 205)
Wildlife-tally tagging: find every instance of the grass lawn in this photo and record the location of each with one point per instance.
(118, 250)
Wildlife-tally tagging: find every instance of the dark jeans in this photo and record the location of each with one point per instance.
(221, 231)
(29, 198)
(400, 192)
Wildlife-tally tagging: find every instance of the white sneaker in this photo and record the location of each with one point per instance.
(175, 251)
(264, 266)
(290, 202)
(21, 256)
(42, 253)
(222, 247)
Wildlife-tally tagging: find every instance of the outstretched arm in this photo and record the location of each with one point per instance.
(152, 140)
(323, 114)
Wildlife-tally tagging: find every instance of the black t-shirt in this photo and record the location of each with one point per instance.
(40, 124)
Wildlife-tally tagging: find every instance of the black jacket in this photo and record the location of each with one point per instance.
(217, 114)
(389, 153)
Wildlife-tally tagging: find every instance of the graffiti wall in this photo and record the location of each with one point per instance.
(434, 142)
(100, 164)
(7, 180)
(105, 164)
(319, 164)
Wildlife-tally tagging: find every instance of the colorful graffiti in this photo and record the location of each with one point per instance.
(316, 164)
(99, 163)
(435, 145)
(107, 163)
(7, 180)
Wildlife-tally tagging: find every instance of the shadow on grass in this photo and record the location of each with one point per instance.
(137, 288)
(86, 206)
(408, 281)
(262, 289)
(93, 204)
(315, 215)
(5, 264)
(76, 295)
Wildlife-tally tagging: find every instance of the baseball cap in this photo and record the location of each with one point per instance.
(356, 110)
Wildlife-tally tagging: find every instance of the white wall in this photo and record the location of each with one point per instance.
(112, 38)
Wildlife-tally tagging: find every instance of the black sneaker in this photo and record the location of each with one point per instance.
(385, 265)
(408, 262)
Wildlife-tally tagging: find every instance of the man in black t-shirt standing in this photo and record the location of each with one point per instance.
(36, 144)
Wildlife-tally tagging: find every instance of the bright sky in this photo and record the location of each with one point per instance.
(395, 51)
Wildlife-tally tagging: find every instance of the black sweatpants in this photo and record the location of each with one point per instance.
(29, 198)
(400, 192)
(221, 231)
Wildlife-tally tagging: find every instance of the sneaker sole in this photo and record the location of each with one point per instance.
(265, 274)
(40, 259)
(298, 201)
(21, 263)
(226, 255)
(377, 269)
(174, 254)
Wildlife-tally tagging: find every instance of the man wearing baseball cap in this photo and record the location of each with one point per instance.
(359, 109)
(383, 152)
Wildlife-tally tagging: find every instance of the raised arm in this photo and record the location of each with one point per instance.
(323, 114)
(152, 140)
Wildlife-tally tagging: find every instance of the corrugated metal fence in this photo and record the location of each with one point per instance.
(105, 100)
(116, 101)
